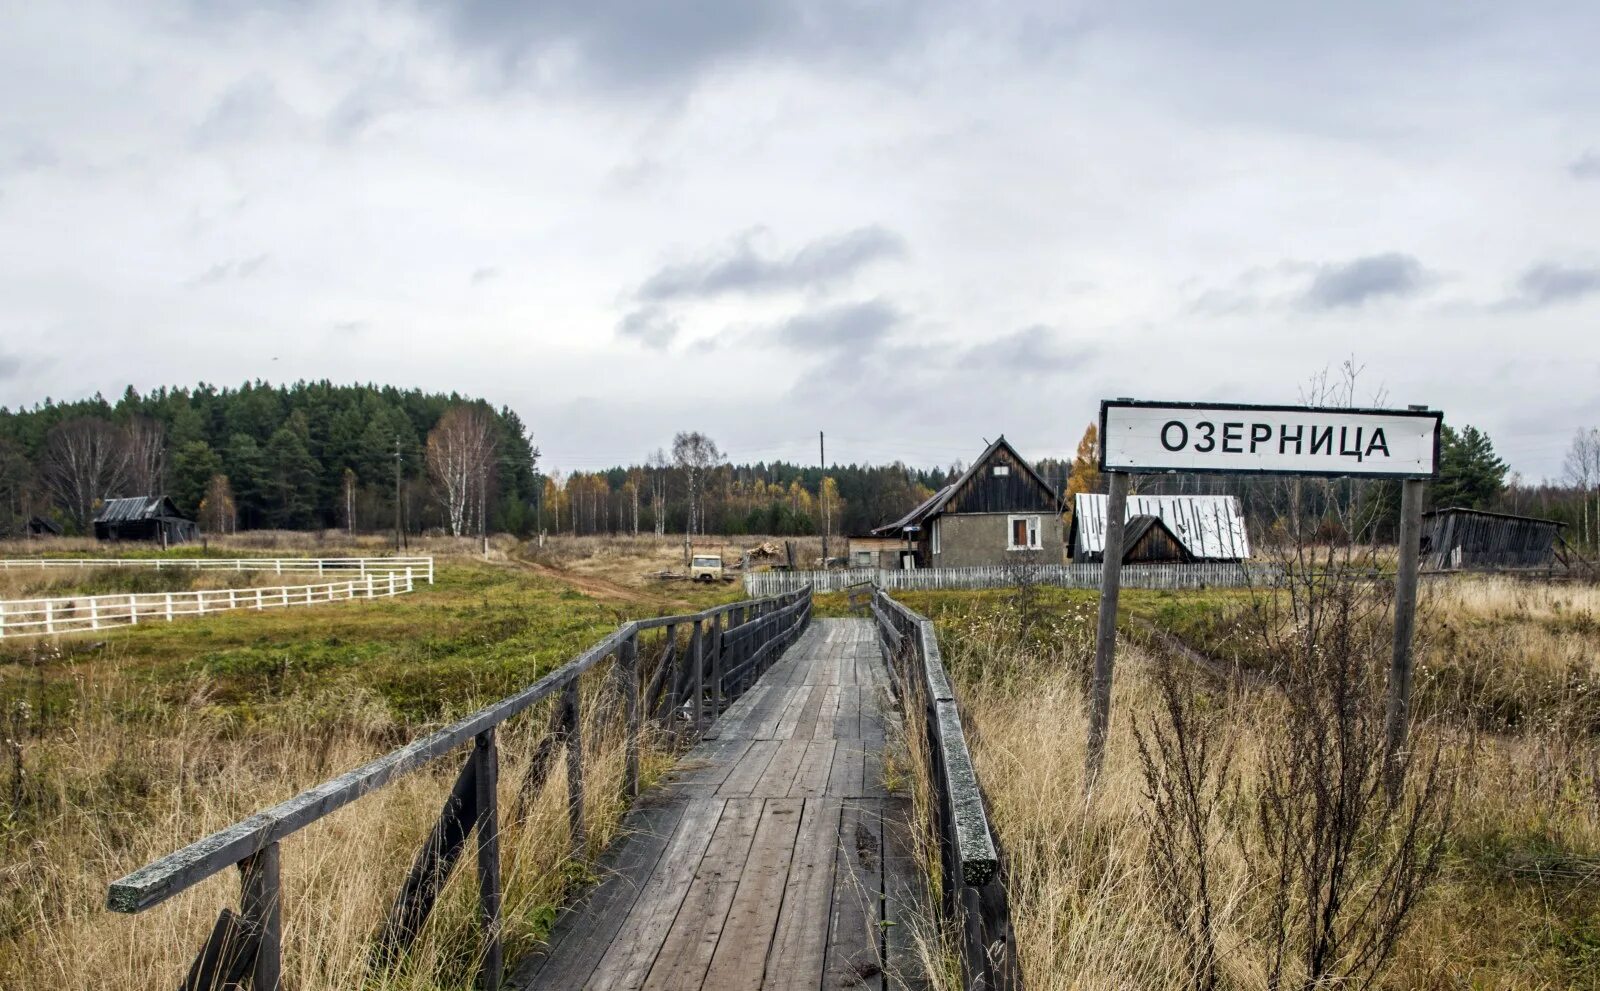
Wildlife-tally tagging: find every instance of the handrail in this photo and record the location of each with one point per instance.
(422, 565)
(973, 893)
(245, 947)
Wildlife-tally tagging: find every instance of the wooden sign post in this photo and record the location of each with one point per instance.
(1227, 438)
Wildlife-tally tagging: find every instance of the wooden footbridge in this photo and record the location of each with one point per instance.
(777, 855)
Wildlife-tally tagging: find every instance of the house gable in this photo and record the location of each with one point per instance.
(1000, 481)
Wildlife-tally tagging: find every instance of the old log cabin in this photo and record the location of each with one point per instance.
(1000, 511)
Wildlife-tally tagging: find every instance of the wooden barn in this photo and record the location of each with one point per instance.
(1456, 539)
(869, 551)
(1147, 540)
(999, 512)
(151, 518)
(1209, 528)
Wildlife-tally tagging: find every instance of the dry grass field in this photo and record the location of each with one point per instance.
(123, 745)
(1514, 903)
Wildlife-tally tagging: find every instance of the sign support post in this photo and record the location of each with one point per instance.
(1398, 716)
(1105, 641)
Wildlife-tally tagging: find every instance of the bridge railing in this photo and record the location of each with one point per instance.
(421, 567)
(971, 869)
(78, 613)
(700, 664)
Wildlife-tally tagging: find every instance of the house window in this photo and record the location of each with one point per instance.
(1001, 470)
(1023, 534)
(861, 559)
(936, 536)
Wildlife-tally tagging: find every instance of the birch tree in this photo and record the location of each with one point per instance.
(460, 457)
(695, 454)
(218, 513)
(85, 460)
(1582, 468)
(147, 456)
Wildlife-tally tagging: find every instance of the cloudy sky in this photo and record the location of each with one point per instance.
(913, 225)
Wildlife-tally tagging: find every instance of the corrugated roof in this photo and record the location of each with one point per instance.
(132, 508)
(1212, 527)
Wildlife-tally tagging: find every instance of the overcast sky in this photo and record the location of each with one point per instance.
(913, 225)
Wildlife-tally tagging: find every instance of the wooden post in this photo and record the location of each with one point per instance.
(571, 727)
(697, 676)
(1105, 644)
(486, 780)
(628, 670)
(261, 908)
(1398, 721)
(716, 666)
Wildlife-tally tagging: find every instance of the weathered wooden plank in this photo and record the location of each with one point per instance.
(783, 699)
(742, 781)
(827, 714)
(847, 722)
(855, 930)
(779, 776)
(904, 900)
(811, 778)
(739, 961)
(584, 931)
(704, 769)
(847, 776)
(800, 698)
(630, 956)
(686, 952)
(799, 942)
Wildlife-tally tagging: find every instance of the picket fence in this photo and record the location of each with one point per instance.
(43, 617)
(421, 567)
(1211, 574)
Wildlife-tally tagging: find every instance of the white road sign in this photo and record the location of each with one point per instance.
(1289, 440)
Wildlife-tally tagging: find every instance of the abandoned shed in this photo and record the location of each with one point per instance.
(999, 512)
(152, 518)
(42, 526)
(1148, 540)
(1457, 539)
(1210, 528)
(871, 551)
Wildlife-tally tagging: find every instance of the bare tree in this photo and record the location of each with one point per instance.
(695, 454)
(147, 456)
(350, 501)
(218, 513)
(85, 460)
(657, 465)
(1582, 469)
(460, 457)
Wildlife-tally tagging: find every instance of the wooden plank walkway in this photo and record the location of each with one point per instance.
(774, 859)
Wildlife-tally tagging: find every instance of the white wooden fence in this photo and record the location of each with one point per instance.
(41, 617)
(1170, 576)
(420, 567)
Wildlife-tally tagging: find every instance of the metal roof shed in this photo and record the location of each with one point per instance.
(1211, 527)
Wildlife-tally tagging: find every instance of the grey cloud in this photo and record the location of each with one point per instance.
(650, 326)
(223, 271)
(1036, 350)
(630, 44)
(485, 274)
(1585, 166)
(1549, 284)
(859, 325)
(247, 108)
(1355, 282)
(10, 365)
(743, 268)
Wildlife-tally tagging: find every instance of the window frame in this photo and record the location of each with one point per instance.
(934, 536)
(1034, 528)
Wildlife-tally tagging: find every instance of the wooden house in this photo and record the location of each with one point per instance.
(998, 512)
(151, 518)
(1210, 528)
(1465, 539)
(1147, 540)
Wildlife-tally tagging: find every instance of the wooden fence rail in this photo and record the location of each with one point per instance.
(1202, 575)
(972, 870)
(690, 682)
(73, 614)
(421, 567)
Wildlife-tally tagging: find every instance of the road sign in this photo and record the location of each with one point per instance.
(1146, 437)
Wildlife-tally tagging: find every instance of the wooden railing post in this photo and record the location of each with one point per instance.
(486, 781)
(697, 678)
(717, 705)
(628, 670)
(260, 905)
(572, 731)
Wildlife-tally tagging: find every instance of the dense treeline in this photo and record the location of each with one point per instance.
(301, 456)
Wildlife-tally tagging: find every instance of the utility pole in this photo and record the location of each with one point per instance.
(397, 493)
(822, 490)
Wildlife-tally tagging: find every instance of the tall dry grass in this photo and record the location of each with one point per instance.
(98, 783)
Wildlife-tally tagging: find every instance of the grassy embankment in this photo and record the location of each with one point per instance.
(126, 744)
(1505, 685)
